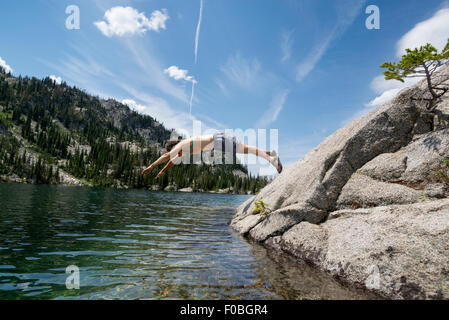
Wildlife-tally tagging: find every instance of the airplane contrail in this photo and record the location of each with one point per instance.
(198, 28)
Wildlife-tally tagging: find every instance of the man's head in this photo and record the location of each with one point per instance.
(170, 144)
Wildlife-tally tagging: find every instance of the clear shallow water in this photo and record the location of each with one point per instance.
(131, 244)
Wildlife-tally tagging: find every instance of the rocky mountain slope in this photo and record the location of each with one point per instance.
(370, 204)
(56, 134)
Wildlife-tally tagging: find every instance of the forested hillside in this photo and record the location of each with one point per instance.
(52, 134)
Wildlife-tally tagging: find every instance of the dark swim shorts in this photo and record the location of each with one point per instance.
(225, 143)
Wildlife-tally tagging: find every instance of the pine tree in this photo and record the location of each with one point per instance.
(421, 63)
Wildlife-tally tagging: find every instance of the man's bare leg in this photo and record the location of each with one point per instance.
(246, 149)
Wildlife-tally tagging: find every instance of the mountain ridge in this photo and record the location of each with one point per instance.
(56, 134)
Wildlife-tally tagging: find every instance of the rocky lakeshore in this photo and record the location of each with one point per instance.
(370, 204)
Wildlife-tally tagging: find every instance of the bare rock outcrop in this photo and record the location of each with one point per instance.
(317, 180)
(369, 204)
(398, 251)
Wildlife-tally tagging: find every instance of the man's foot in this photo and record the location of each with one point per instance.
(276, 162)
(279, 166)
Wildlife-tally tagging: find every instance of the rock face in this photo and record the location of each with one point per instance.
(369, 196)
(362, 192)
(406, 176)
(399, 251)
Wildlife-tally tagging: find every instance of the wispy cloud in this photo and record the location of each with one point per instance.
(154, 107)
(198, 29)
(159, 109)
(121, 21)
(163, 112)
(222, 87)
(246, 73)
(152, 70)
(347, 13)
(80, 69)
(306, 66)
(212, 122)
(291, 149)
(286, 45)
(241, 71)
(272, 113)
(5, 66)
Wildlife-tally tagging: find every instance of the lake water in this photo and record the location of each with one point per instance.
(135, 244)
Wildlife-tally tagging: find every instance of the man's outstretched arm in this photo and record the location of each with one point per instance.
(162, 159)
(167, 166)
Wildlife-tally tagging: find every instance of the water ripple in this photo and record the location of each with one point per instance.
(139, 245)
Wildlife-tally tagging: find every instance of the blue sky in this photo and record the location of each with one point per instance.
(304, 68)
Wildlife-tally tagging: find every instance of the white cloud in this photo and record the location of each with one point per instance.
(271, 115)
(346, 16)
(121, 21)
(198, 29)
(241, 71)
(56, 79)
(433, 30)
(388, 89)
(6, 67)
(383, 98)
(134, 105)
(286, 45)
(179, 74)
(379, 84)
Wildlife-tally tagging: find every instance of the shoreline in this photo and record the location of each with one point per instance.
(3, 179)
